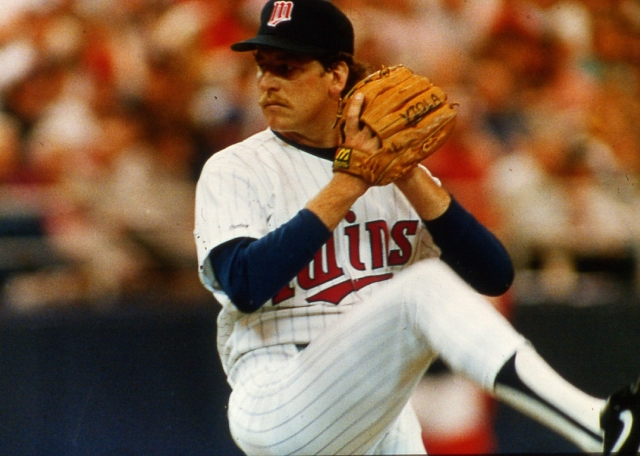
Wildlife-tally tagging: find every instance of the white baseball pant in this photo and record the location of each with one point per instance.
(348, 391)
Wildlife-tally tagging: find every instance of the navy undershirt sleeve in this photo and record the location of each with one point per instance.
(251, 271)
(472, 251)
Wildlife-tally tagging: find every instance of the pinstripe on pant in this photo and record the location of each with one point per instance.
(343, 394)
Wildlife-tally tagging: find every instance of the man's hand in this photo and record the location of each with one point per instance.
(335, 200)
(390, 122)
(428, 198)
(359, 136)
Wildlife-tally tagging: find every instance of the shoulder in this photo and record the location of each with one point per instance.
(244, 150)
(266, 154)
(262, 151)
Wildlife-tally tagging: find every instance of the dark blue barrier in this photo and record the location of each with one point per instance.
(595, 348)
(127, 382)
(24, 246)
(149, 382)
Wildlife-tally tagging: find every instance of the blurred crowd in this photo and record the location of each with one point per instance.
(109, 108)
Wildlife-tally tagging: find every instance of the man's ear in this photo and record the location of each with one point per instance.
(340, 74)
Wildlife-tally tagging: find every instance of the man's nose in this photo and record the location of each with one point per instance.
(267, 80)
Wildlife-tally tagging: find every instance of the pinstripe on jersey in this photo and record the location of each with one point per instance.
(259, 184)
(370, 338)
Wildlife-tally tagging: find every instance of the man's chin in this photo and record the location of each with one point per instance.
(279, 125)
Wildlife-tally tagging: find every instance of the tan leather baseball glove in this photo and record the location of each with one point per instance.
(410, 116)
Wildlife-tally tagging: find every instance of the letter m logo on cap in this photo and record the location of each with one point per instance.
(281, 12)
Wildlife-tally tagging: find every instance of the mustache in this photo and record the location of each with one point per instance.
(267, 99)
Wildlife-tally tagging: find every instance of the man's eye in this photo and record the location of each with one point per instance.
(284, 69)
(278, 70)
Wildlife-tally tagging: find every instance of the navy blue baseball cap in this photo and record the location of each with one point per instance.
(314, 27)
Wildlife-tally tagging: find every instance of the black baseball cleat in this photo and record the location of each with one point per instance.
(620, 421)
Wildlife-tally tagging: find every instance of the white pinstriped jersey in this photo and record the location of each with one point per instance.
(255, 186)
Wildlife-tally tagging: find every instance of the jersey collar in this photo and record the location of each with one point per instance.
(326, 153)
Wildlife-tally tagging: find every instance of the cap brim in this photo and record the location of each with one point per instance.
(277, 43)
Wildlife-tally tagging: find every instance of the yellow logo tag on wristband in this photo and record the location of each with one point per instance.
(343, 157)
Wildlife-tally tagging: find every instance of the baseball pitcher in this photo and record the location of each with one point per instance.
(344, 268)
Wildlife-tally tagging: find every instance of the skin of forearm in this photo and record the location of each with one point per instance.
(335, 200)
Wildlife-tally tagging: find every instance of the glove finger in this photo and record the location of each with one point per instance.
(437, 124)
(400, 163)
(369, 88)
(390, 77)
(417, 113)
(374, 85)
(397, 97)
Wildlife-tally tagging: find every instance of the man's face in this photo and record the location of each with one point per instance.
(294, 91)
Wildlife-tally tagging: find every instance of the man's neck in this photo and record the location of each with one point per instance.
(326, 153)
(320, 133)
(321, 140)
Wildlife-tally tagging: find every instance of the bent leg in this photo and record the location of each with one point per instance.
(342, 393)
(475, 340)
